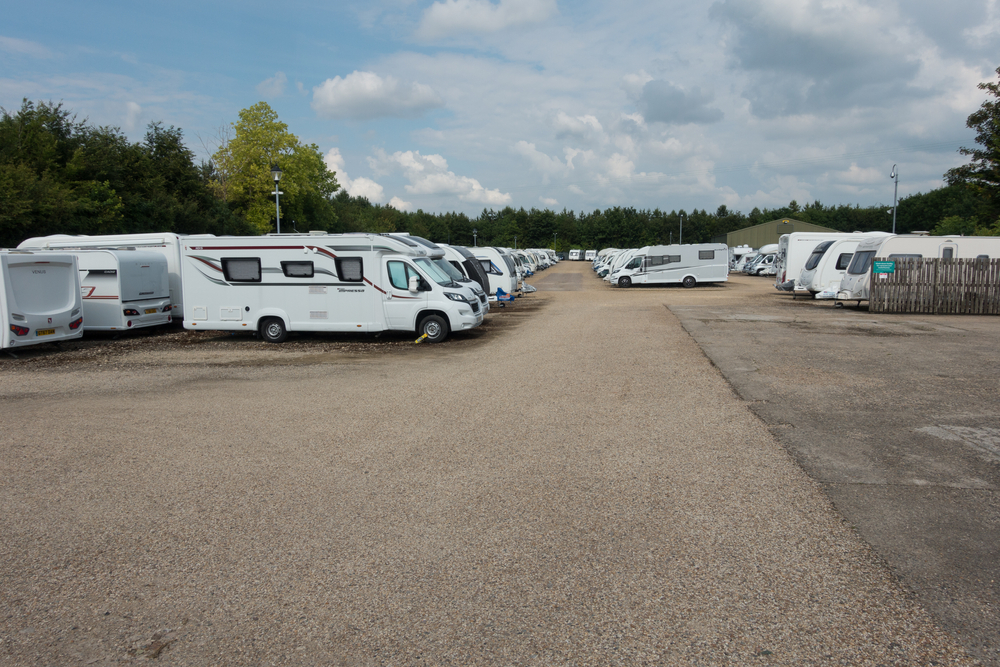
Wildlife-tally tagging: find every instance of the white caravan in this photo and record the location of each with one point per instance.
(575, 255)
(321, 282)
(499, 269)
(591, 255)
(167, 244)
(123, 289)
(684, 264)
(828, 263)
(794, 251)
(855, 285)
(39, 298)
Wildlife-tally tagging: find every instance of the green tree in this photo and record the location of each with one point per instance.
(982, 174)
(242, 173)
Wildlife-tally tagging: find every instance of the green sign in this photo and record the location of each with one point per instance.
(884, 267)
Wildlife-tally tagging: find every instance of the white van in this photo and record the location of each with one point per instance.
(685, 264)
(855, 284)
(39, 298)
(321, 282)
(167, 244)
(123, 289)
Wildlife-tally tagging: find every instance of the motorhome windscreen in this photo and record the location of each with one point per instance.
(432, 271)
(446, 266)
(817, 254)
(860, 262)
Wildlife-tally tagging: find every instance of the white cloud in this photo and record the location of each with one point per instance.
(24, 48)
(357, 187)
(400, 205)
(133, 112)
(366, 95)
(429, 175)
(481, 16)
(540, 161)
(579, 127)
(273, 87)
(548, 201)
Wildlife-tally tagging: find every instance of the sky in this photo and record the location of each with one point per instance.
(465, 105)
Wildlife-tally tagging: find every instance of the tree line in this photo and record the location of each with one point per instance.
(59, 175)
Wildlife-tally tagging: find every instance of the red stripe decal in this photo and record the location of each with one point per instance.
(207, 263)
(375, 286)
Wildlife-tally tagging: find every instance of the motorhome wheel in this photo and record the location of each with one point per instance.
(273, 330)
(689, 281)
(624, 281)
(434, 327)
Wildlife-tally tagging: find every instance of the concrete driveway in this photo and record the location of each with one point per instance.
(898, 417)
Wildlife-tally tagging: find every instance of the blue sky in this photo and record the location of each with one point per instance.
(460, 105)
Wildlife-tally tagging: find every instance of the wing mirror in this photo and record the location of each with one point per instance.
(414, 283)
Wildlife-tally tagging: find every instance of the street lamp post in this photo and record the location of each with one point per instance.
(515, 243)
(895, 191)
(680, 237)
(554, 236)
(475, 242)
(276, 173)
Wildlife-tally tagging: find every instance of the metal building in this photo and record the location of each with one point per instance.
(767, 232)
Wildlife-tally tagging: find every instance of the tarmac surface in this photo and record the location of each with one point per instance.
(574, 482)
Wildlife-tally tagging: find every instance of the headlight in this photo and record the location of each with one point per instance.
(456, 297)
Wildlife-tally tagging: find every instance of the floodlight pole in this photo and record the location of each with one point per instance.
(895, 192)
(276, 173)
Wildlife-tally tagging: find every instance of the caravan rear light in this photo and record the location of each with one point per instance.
(129, 323)
(19, 331)
(131, 312)
(75, 324)
(167, 308)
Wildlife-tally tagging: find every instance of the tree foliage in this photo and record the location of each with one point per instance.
(982, 174)
(241, 173)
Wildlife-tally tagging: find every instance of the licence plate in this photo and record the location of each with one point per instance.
(44, 332)
(150, 311)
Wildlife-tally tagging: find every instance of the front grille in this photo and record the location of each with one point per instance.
(475, 307)
(482, 298)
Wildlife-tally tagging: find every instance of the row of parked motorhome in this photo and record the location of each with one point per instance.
(838, 266)
(687, 265)
(56, 287)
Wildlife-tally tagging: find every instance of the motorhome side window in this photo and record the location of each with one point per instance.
(350, 269)
(706, 254)
(654, 260)
(241, 269)
(297, 269)
(670, 259)
(947, 253)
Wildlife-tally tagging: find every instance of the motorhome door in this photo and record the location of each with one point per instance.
(402, 305)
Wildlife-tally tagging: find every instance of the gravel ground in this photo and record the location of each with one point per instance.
(572, 483)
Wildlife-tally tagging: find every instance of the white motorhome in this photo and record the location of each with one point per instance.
(167, 244)
(440, 257)
(763, 263)
(123, 289)
(39, 298)
(499, 269)
(684, 264)
(856, 282)
(737, 253)
(828, 263)
(466, 262)
(321, 282)
(618, 262)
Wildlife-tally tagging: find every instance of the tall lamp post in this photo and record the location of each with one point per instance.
(680, 235)
(554, 236)
(276, 173)
(895, 191)
(475, 242)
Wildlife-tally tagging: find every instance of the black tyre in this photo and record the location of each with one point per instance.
(689, 281)
(624, 281)
(272, 329)
(435, 327)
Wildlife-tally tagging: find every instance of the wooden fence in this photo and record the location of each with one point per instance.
(938, 286)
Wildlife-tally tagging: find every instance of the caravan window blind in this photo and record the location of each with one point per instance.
(350, 269)
(706, 254)
(297, 269)
(242, 269)
(655, 260)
